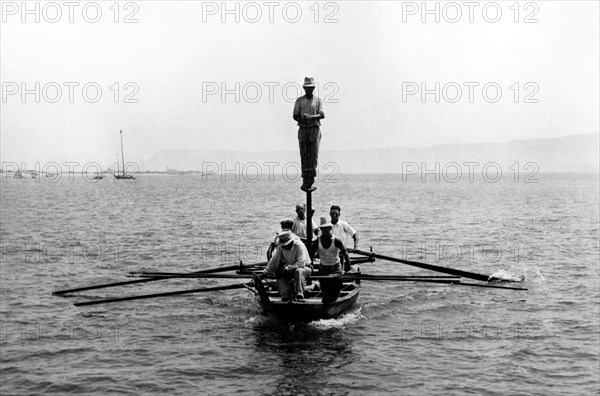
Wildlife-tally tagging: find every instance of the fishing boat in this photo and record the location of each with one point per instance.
(122, 176)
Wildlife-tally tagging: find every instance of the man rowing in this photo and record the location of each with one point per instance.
(330, 249)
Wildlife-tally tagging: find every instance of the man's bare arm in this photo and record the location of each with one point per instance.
(355, 237)
(345, 258)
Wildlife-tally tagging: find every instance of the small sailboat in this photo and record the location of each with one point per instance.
(123, 175)
(18, 175)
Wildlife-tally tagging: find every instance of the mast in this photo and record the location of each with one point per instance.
(309, 230)
(122, 155)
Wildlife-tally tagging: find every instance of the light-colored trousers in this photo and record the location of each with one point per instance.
(299, 283)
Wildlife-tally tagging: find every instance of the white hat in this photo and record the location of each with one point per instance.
(285, 238)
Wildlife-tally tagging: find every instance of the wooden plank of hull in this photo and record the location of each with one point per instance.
(312, 308)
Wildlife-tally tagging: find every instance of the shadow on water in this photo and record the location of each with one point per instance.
(305, 358)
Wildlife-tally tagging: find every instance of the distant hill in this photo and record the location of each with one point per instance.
(573, 153)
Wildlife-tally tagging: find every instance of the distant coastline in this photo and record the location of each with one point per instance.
(573, 153)
(567, 154)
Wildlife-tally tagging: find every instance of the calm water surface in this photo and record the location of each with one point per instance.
(402, 338)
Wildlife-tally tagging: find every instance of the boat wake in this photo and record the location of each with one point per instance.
(531, 278)
(338, 323)
(535, 281)
(507, 276)
(348, 318)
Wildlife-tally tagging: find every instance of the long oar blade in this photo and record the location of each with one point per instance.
(452, 271)
(350, 276)
(451, 280)
(115, 284)
(399, 277)
(426, 279)
(455, 280)
(166, 294)
(215, 270)
(361, 260)
(193, 275)
(78, 289)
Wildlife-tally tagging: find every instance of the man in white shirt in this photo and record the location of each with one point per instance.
(341, 229)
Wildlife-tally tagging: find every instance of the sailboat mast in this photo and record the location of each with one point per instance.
(122, 155)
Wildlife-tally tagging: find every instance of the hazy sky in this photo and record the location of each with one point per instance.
(372, 61)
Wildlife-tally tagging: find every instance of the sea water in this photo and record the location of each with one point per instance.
(401, 338)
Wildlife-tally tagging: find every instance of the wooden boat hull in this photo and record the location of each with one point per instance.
(312, 308)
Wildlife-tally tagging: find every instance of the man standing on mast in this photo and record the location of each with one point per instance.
(308, 111)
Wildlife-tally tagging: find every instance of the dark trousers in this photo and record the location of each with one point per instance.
(331, 287)
(309, 139)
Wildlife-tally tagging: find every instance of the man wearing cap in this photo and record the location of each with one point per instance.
(308, 111)
(290, 262)
(299, 227)
(330, 250)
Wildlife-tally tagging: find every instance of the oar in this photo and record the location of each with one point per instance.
(208, 270)
(361, 260)
(250, 276)
(409, 278)
(450, 280)
(394, 277)
(426, 279)
(173, 293)
(162, 275)
(61, 292)
(431, 267)
(217, 269)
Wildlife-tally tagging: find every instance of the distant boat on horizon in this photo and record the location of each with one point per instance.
(18, 175)
(122, 175)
